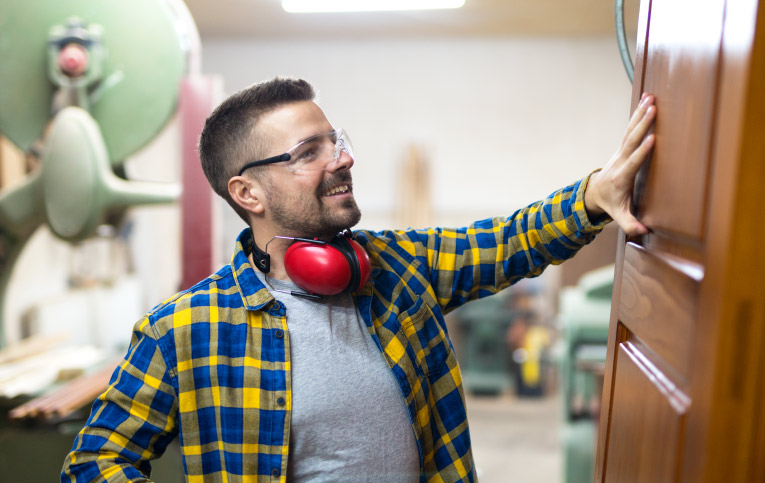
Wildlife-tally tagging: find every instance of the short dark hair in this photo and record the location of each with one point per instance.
(228, 138)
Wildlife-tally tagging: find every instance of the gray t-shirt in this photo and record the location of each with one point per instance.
(349, 420)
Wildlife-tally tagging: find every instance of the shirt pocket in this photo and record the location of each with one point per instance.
(427, 338)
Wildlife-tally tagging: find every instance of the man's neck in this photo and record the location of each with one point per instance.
(275, 248)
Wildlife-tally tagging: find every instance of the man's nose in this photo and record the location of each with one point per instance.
(344, 161)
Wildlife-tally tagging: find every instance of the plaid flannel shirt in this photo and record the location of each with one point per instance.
(212, 363)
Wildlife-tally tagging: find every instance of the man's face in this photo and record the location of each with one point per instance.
(315, 203)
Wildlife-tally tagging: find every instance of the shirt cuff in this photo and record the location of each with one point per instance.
(589, 224)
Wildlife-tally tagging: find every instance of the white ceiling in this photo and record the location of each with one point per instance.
(265, 19)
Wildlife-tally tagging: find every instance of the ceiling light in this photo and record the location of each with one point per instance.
(296, 6)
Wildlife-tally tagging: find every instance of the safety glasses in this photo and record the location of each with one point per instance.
(315, 153)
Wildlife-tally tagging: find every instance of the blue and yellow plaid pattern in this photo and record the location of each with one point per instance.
(212, 363)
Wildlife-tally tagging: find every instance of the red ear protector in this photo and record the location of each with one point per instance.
(324, 268)
(328, 268)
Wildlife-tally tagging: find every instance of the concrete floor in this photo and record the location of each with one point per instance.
(516, 440)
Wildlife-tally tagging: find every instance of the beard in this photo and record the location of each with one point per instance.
(305, 215)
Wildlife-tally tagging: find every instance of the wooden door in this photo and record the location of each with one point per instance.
(684, 389)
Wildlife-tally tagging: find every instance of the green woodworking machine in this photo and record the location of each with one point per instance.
(83, 85)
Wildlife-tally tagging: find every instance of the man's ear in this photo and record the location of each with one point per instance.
(247, 193)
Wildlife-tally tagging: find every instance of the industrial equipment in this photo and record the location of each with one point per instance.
(584, 314)
(503, 344)
(84, 85)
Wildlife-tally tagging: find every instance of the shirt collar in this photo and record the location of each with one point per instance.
(254, 293)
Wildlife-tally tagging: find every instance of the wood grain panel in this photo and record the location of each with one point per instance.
(681, 70)
(658, 303)
(650, 411)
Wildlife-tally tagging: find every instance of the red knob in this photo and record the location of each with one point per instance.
(73, 60)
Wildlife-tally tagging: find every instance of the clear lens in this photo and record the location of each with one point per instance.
(319, 152)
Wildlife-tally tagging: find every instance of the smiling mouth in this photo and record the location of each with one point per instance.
(338, 190)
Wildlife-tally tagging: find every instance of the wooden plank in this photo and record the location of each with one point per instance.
(67, 399)
(31, 346)
(414, 206)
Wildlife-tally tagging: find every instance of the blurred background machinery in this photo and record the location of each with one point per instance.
(584, 314)
(504, 342)
(84, 85)
(483, 353)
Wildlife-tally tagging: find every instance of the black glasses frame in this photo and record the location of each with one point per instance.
(271, 160)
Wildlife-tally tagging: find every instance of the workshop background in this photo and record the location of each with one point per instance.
(455, 115)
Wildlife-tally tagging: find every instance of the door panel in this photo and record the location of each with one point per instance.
(646, 416)
(681, 66)
(660, 316)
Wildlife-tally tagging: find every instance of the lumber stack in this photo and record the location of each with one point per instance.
(55, 378)
(67, 399)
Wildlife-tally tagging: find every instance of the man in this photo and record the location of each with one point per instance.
(262, 379)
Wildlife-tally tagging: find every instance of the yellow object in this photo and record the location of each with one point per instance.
(534, 343)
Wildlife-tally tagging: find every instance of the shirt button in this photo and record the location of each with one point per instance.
(275, 472)
(279, 334)
(281, 401)
(277, 306)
